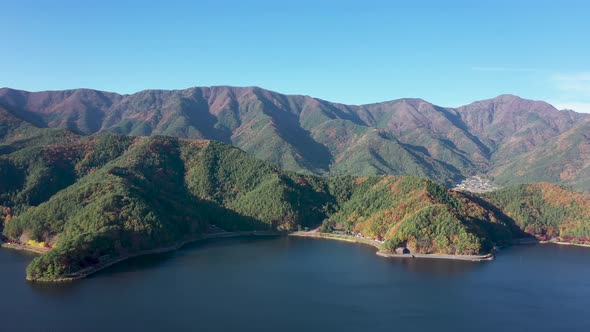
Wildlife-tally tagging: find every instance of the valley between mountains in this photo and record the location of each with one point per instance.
(96, 176)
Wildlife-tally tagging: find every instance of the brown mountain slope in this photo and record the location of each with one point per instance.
(301, 133)
(562, 159)
(510, 125)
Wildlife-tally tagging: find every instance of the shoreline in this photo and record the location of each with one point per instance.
(565, 243)
(528, 241)
(84, 273)
(469, 258)
(24, 247)
(373, 243)
(338, 237)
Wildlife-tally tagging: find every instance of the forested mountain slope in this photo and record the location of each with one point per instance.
(546, 210)
(305, 134)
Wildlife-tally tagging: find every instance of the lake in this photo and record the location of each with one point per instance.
(303, 284)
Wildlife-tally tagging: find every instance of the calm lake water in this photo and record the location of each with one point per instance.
(300, 284)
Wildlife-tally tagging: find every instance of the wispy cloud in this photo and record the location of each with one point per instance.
(573, 90)
(505, 69)
(577, 82)
(565, 90)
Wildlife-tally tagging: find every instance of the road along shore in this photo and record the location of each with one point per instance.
(380, 252)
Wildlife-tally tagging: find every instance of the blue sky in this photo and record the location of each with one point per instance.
(447, 52)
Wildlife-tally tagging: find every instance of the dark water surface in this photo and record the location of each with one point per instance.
(299, 284)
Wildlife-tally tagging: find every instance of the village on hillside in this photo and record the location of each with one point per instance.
(476, 184)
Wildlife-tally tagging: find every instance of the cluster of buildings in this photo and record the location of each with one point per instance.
(476, 184)
(359, 235)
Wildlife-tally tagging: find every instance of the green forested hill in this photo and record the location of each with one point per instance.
(546, 210)
(111, 195)
(423, 215)
(97, 198)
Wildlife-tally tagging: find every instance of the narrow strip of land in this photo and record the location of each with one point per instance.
(472, 258)
(380, 252)
(532, 240)
(565, 243)
(24, 247)
(339, 237)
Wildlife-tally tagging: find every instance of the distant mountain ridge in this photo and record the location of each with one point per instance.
(310, 135)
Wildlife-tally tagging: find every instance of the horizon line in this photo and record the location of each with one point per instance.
(285, 94)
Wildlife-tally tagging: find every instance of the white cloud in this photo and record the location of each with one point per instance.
(565, 90)
(504, 69)
(574, 89)
(577, 106)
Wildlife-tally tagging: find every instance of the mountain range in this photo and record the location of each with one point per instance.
(507, 138)
(95, 177)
